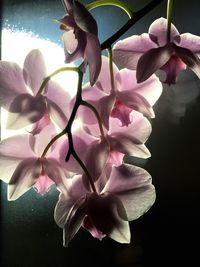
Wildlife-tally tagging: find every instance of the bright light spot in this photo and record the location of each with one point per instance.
(16, 45)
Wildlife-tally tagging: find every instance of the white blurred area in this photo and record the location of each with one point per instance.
(16, 45)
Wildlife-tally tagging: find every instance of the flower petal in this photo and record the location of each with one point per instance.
(43, 184)
(108, 215)
(11, 147)
(74, 45)
(69, 217)
(139, 129)
(43, 138)
(92, 55)
(24, 177)
(104, 82)
(84, 19)
(189, 58)
(151, 61)
(150, 90)
(34, 70)
(158, 31)
(58, 104)
(127, 52)
(11, 83)
(24, 110)
(190, 41)
(96, 157)
(11, 154)
(56, 172)
(68, 5)
(133, 186)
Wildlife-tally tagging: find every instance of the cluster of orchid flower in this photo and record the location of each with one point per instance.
(98, 191)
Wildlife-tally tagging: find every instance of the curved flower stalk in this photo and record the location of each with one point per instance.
(149, 52)
(81, 37)
(24, 168)
(124, 193)
(88, 148)
(20, 94)
(127, 96)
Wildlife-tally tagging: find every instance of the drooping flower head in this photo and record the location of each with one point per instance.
(123, 194)
(81, 37)
(149, 52)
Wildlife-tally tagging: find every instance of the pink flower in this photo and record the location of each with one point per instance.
(19, 94)
(149, 52)
(127, 95)
(124, 193)
(22, 167)
(80, 37)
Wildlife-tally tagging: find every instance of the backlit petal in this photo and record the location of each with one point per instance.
(92, 56)
(127, 52)
(11, 83)
(24, 110)
(23, 178)
(34, 70)
(133, 186)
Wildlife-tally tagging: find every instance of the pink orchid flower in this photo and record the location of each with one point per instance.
(80, 37)
(19, 94)
(117, 142)
(127, 95)
(149, 52)
(21, 164)
(123, 194)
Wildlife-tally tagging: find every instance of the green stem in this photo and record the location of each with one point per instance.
(46, 80)
(85, 103)
(169, 19)
(109, 49)
(116, 3)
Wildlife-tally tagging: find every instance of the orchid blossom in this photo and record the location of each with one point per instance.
(22, 166)
(20, 94)
(123, 194)
(80, 37)
(126, 96)
(149, 52)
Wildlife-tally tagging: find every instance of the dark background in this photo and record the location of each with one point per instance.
(168, 235)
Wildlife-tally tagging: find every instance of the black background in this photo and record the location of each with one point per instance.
(168, 235)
